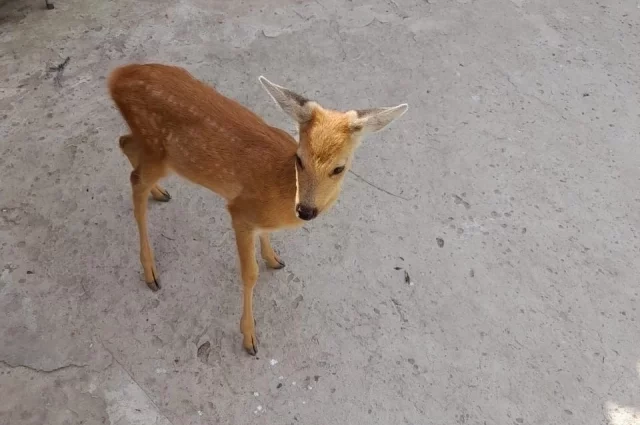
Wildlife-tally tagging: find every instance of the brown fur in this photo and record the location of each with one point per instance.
(179, 124)
(329, 136)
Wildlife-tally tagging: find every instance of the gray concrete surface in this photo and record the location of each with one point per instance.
(520, 153)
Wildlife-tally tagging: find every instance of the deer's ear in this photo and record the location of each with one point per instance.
(374, 120)
(296, 106)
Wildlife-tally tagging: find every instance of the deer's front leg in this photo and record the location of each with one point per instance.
(245, 240)
(268, 254)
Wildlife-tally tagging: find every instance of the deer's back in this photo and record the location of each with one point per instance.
(199, 133)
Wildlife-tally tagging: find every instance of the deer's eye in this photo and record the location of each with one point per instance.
(337, 171)
(299, 162)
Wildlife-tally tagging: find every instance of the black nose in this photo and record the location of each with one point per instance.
(305, 212)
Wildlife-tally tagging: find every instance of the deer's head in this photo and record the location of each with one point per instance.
(328, 140)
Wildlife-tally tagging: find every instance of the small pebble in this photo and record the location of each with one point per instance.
(281, 377)
(273, 362)
(257, 394)
(200, 412)
(293, 383)
(440, 242)
(259, 408)
(309, 387)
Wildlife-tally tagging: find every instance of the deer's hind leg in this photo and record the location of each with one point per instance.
(131, 148)
(268, 254)
(143, 179)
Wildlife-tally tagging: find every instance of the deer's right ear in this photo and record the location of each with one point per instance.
(297, 107)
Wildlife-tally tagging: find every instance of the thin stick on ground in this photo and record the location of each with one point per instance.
(378, 187)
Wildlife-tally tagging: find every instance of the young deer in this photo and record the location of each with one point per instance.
(270, 181)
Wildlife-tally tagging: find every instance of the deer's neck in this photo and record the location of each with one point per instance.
(277, 190)
(285, 178)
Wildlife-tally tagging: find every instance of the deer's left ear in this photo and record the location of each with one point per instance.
(374, 120)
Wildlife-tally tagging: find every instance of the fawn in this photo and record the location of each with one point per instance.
(179, 124)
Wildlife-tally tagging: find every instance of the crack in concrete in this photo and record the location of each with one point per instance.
(37, 370)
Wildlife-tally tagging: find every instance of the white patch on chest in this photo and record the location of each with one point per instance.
(297, 192)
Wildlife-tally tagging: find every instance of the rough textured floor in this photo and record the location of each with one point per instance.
(508, 195)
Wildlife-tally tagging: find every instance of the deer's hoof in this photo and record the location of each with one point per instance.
(154, 284)
(276, 263)
(159, 194)
(251, 344)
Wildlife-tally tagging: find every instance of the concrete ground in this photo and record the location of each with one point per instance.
(483, 269)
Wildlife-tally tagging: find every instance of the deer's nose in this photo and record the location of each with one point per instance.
(306, 212)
